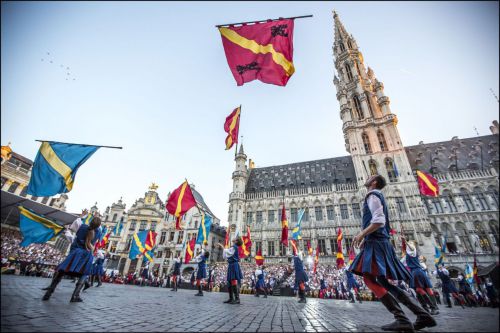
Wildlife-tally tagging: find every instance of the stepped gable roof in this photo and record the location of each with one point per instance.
(468, 154)
(328, 171)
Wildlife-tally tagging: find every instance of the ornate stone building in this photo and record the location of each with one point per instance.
(149, 213)
(331, 190)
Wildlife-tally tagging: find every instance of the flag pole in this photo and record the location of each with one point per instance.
(281, 18)
(80, 144)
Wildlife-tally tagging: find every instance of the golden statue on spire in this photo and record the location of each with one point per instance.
(153, 186)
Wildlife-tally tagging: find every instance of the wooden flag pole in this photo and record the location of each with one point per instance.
(80, 144)
(261, 21)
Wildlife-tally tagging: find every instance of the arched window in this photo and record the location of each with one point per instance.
(438, 207)
(494, 195)
(114, 217)
(357, 107)
(369, 102)
(348, 72)
(494, 229)
(450, 203)
(366, 143)
(381, 140)
(449, 238)
(391, 172)
(481, 198)
(349, 44)
(24, 191)
(13, 187)
(373, 167)
(484, 242)
(342, 47)
(464, 238)
(467, 200)
(437, 235)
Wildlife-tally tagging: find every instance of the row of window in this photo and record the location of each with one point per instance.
(435, 206)
(281, 250)
(144, 225)
(318, 214)
(14, 186)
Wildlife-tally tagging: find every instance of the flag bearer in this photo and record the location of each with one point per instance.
(377, 262)
(260, 285)
(300, 276)
(202, 270)
(78, 262)
(419, 281)
(176, 272)
(98, 270)
(234, 274)
(352, 284)
(448, 287)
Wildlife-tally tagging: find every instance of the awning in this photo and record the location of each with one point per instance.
(10, 212)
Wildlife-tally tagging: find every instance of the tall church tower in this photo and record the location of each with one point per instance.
(372, 138)
(237, 196)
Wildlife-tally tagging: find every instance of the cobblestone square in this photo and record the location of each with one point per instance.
(116, 308)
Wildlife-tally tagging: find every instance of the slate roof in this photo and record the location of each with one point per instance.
(340, 170)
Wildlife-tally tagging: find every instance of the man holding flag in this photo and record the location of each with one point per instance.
(234, 273)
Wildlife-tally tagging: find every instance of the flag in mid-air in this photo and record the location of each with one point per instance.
(438, 256)
(284, 226)
(117, 230)
(293, 243)
(469, 273)
(352, 255)
(340, 255)
(143, 244)
(427, 184)
(189, 251)
(261, 51)
(259, 259)
(244, 249)
(86, 219)
(226, 240)
(474, 272)
(204, 230)
(296, 231)
(180, 201)
(55, 167)
(232, 126)
(36, 228)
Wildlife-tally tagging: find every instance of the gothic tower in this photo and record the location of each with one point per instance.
(372, 138)
(237, 196)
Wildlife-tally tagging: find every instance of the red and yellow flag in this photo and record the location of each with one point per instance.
(259, 259)
(261, 51)
(232, 127)
(189, 250)
(180, 201)
(309, 248)
(316, 260)
(352, 255)
(474, 272)
(293, 242)
(427, 184)
(340, 255)
(226, 240)
(284, 226)
(244, 249)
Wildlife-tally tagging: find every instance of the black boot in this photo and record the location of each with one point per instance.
(432, 304)
(359, 299)
(230, 289)
(351, 296)
(265, 293)
(236, 293)
(50, 289)
(423, 303)
(99, 283)
(86, 284)
(402, 323)
(76, 293)
(92, 280)
(200, 292)
(302, 296)
(424, 319)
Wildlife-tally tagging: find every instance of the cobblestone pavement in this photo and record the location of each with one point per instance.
(130, 308)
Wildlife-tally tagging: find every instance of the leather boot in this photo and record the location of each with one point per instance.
(423, 303)
(433, 304)
(50, 289)
(86, 284)
(265, 293)
(236, 295)
(359, 299)
(402, 323)
(231, 298)
(351, 296)
(92, 280)
(200, 292)
(99, 283)
(302, 296)
(424, 319)
(76, 293)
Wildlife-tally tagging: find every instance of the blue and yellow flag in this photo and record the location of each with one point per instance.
(118, 228)
(36, 228)
(87, 219)
(204, 230)
(296, 231)
(469, 273)
(143, 243)
(55, 167)
(438, 257)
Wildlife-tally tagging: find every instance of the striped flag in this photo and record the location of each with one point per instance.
(226, 240)
(232, 127)
(259, 259)
(293, 242)
(316, 260)
(284, 226)
(340, 255)
(427, 184)
(180, 201)
(189, 251)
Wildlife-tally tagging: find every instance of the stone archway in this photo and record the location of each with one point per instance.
(455, 271)
(186, 272)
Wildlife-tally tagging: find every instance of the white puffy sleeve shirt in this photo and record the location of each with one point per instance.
(376, 209)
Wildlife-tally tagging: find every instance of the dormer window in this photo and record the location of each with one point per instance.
(342, 47)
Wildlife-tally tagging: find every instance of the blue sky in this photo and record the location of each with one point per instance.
(152, 77)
